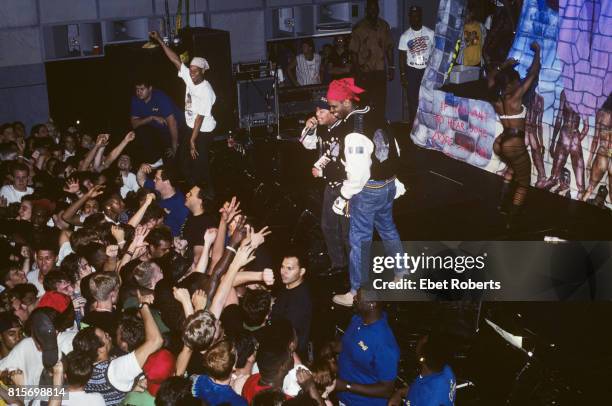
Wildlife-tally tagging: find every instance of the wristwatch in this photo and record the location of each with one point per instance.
(141, 305)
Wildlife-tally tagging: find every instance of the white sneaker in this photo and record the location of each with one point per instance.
(344, 300)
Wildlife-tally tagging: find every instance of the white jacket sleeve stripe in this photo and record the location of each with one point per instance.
(357, 152)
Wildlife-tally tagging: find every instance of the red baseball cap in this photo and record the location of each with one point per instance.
(159, 366)
(55, 300)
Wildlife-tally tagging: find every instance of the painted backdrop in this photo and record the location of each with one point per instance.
(570, 101)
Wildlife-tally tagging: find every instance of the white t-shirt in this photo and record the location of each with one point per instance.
(199, 100)
(26, 357)
(130, 184)
(32, 278)
(418, 46)
(307, 72)
(13, 195)
(80, 398)
(123, 370)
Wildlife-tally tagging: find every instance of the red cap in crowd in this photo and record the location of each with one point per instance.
(159, 366)
(55, 300)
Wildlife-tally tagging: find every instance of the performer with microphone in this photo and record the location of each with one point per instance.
(321, 132)
(199, 99)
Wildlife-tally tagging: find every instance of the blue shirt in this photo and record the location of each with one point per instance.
(433, 390)
(215, 394)
(176, 212)
(159, 105)
(369, 355)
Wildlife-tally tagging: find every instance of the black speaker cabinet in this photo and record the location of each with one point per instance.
(256, 102)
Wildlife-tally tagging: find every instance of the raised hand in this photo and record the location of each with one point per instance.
(102, 140)
(268, 276)
(230, 209)
(304, 377)
(198, 299)
(259, 237)
(139, 237)
(145, 168)
(112, 250)
(244, 255)
(118, 233)
(71, 186)
(154, 35)
(312, 122)
(238, 233)
(248, 232)
(181, 295)
(149, 198)
(129, 137)
(210, 235)
(95, 191)
(535, 46)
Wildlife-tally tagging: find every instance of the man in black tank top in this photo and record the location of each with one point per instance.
(370, 154)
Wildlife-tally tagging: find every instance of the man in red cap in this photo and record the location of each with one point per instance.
(370, 154)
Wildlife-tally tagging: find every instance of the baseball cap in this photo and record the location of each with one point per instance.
(322, 103)
(159, 366)
(55, 300)
(200, 62)
(45, 334)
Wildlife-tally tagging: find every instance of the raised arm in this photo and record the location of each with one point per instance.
(70, 214)
(228, 255)
(244, 255)
(228, 211)
(100, 141)
(534, 70)
(153, 338)
(141, 175)
(174, 58)
(137, 217)
(114, 154)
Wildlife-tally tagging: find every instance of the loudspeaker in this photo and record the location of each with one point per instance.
(214, 45)
(256, 102)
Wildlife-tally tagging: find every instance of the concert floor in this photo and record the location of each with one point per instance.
(447, 200)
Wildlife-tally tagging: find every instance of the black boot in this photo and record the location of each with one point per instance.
(504, 201)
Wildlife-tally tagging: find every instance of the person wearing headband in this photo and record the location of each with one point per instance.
(199, 100)
(370, 155)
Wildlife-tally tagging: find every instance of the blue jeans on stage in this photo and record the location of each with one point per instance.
(371, 208)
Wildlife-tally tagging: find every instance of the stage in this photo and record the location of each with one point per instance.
(446, 200)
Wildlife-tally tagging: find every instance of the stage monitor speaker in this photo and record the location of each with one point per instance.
(256, 102)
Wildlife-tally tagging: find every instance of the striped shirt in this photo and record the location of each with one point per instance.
(307, 71)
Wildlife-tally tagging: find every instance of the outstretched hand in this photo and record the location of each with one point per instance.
(535, 46)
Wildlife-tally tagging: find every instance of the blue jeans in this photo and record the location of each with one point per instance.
(371, 208)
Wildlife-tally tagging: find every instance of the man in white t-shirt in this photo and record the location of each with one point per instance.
(415, 46)
(130, 183)
(199, 100)
(19, 187)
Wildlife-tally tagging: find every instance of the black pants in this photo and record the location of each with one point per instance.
(375, 85)
(413, 77)
(196, 171)
(335, 230)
